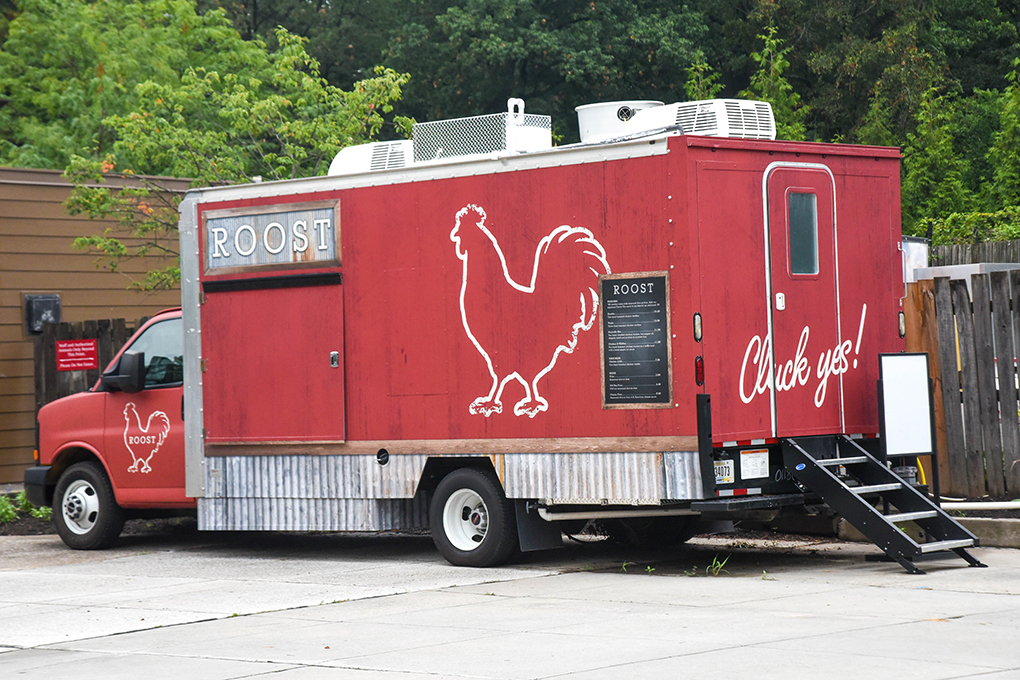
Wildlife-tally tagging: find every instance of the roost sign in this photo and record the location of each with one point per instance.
(635, 340)
(289, 235)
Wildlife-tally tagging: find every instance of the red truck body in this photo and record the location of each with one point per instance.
(411, 372)
(545, 320)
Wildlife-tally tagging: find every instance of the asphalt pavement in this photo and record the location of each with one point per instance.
(384, 607)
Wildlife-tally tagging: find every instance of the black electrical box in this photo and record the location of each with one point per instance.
(41, 310)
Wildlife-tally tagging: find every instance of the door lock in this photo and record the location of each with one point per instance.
(334, 359)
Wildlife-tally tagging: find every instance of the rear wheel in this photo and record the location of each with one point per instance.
(473, 523)
(85, 510)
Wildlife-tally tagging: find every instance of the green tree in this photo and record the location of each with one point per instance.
(768, 84)
(219, 128)
(702, 80)
(8, 10)
(1003, 153)
(848, 53)
(469, 57)
(346, 37)
(933, 170)
(68, 65)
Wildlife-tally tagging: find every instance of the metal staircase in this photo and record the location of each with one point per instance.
(850, 481)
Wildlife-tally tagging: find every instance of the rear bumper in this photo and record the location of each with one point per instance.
(36, 490)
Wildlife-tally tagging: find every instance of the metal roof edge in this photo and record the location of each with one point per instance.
(447, 169)
(829, 148)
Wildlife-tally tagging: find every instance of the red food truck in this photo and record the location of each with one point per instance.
(476, 332)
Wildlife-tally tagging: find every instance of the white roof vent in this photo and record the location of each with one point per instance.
(374, 156)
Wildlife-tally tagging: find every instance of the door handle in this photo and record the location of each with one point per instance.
(334, 359)
(780, 301)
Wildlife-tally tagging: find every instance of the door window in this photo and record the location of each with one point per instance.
(802, 213)
(163, 344)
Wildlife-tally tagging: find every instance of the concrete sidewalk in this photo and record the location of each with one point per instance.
(381, 607)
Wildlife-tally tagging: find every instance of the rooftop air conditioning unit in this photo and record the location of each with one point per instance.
(374, 156)
(711, 118)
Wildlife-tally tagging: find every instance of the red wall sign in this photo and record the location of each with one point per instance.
(77, 355)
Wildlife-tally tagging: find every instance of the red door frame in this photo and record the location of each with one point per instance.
(781, 363)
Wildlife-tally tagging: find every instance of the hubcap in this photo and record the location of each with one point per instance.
(465, 519)
(80, 507)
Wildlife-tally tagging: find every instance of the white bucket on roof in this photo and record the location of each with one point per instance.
(608, 120)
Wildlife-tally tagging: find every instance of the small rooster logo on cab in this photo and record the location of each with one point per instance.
(145, 440)
(521, 329)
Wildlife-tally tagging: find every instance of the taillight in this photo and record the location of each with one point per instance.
(699, 370)
(697, 327)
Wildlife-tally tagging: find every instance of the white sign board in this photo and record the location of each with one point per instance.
(906, 405)
(286, 235)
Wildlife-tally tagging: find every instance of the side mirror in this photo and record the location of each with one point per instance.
(130, 375)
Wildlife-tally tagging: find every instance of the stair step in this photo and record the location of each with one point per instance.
(876, 488)
(947, 545)
(911, 516)
(851, 460)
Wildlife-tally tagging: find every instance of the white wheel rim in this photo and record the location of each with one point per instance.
(80, 507)
(465, 519)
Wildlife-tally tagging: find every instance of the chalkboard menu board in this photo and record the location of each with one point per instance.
(635, 341)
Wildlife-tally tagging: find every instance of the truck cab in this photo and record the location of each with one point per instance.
(118, 449)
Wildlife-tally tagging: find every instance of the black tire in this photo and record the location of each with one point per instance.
(85, 511)
(473, 523)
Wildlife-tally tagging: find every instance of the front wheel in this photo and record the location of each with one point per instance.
(472, 522)
(85, 510)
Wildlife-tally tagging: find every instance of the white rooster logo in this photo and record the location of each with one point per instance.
(148, 439)
(521, 329)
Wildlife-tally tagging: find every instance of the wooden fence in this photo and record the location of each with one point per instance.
(992, 251)
(51, 384)
(972, 339)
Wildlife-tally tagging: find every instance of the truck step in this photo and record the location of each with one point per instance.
(947, 545)
(857, 505)
(876, 488)
(911, 516)
(850, 460)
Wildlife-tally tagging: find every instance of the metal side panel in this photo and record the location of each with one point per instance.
(683, 475)
(313, 477)
(311, 514)
(194, 450)
(597, 478)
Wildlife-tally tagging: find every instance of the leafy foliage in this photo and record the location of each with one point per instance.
(469, 57)
(768, 84)
(8, 512)
(702, 80)
(218, 129)
(68, 65)
(933, 181)
(1003, 152)
(972, 227)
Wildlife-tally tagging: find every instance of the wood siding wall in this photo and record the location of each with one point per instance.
(36, 256)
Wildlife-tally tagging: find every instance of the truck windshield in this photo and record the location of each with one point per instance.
(163, 344)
